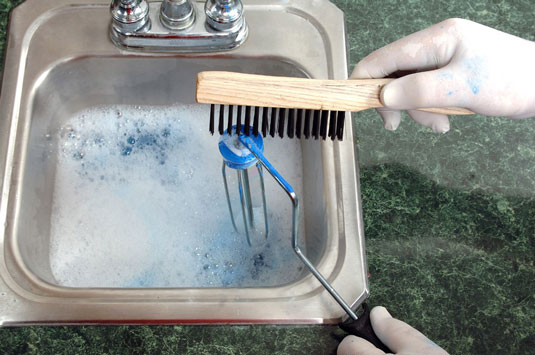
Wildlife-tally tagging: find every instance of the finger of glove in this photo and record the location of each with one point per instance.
(398, 336)
(352, 345)
(428, 49)
(437, 122)
(445, 87)
(391, 118)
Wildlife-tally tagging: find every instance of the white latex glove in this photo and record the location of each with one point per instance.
(398, 336)
(459, 63)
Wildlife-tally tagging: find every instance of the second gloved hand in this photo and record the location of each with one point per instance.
(400, 337)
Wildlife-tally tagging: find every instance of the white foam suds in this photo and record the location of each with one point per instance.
(139, 202)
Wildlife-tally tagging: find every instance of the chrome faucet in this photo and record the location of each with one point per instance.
(177, 25)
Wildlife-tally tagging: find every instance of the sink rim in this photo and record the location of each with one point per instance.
(37, 290)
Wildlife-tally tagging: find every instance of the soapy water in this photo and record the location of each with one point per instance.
(139, 202)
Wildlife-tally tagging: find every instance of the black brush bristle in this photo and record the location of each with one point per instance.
(291, 123)
(324, 122)
(238, 120)
(306, 129)
(221, 127)
(299, 123)
(273, 123)
(265, 113)
(282, 119)
(316, 124)
(247, 120)
(295, 123)
(340, 125)
(332, 125)
(255, 120)
(212, 118)
(229, 121)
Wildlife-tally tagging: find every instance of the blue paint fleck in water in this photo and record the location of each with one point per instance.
(126, 151)
(147, 139)
(259, 260)
(258, 265)
(78, 156)
(156, 142)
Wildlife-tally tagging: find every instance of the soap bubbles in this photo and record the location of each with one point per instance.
(139, 202)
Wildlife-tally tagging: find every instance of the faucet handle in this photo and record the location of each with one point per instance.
(129, 15)
(224, 15)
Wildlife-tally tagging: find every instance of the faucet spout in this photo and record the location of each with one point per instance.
(177, 14)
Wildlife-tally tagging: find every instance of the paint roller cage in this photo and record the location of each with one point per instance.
(106, 175)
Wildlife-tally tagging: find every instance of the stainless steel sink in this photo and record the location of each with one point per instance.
(60, 61)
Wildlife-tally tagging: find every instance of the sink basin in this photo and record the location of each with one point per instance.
(112, 199)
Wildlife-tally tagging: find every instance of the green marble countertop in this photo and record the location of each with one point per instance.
(449, 221)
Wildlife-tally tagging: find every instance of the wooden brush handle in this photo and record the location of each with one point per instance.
(227, 88)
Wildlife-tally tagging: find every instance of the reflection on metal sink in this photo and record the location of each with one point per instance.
(60, 65)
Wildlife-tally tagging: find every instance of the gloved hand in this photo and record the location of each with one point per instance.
(398, 336)
(459, 63)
